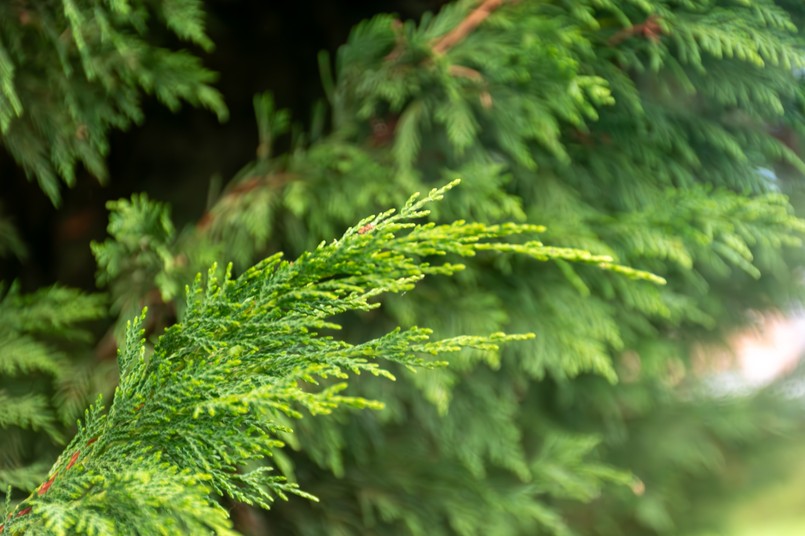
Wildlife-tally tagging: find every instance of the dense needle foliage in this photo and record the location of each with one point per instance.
(658, 134)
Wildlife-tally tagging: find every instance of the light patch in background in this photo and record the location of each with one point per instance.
(772, 348)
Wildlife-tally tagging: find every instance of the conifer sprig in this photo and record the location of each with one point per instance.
(199, 412)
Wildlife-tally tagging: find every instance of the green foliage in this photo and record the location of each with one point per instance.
(644, 146)
(10, 242)
(641, 133)
(139, 251)
(210, 399)
(36, 398)
(70, 71)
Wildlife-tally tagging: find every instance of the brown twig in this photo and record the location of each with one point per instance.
(471, 74)
(465, 27)
(465, 72)
(650, 29)
(396, 26)
(239, 190)
(444, 43)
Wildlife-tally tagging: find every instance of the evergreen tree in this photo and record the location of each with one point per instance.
(655, 133)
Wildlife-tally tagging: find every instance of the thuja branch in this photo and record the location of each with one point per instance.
(192, 418)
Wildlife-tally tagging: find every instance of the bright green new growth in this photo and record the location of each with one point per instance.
(196, 414)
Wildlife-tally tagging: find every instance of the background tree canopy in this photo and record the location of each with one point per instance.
(646, 151)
